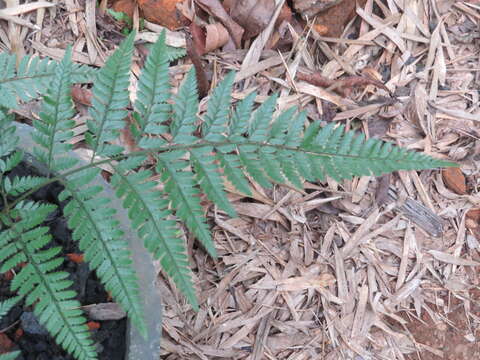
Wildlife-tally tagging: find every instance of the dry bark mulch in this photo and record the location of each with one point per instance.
(372, 268)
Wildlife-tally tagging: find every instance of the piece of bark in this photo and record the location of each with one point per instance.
(417, 213)
(202, 81)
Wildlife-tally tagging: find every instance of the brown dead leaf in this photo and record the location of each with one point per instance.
(472, 221)
(216, 37)
(215, 8)
(163, 12)
(81, 95)
(306, 282)
(76, 258)
(310, 8)
(104, 311)
(212, 37)
(334, 18)
(455, 180)
(194, 56)
(253, 15)
(125, 6)
(381, 193)
(341, 86)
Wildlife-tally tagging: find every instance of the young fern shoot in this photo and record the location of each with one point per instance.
(191, 160)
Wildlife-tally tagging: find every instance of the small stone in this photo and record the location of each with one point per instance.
(31, 325)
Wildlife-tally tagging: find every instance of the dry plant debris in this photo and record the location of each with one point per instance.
(373, 268)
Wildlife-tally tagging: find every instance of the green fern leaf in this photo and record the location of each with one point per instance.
(181, 189)
(154, 91)
(341, 155)
(100, 239)
(209, 178)
(185, 111)
(241, 117)
(21, 184)
(257, 133)
(293, 166)
(32, 77)
(230, 162)
(109, 101)
(8, 141)
(10, 356)
(40, 282)
(216, 118)
(150, 215)
(271, 157)
(175, 53)
(55, 125)
(7, 305)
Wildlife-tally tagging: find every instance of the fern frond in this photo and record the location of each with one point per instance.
(185, 111)
(10, 356)
(216, 118)
(55, 125)
(100, 238)
(209, 178)
(7, 305)
(153, 93)
(257, 133)
(32, 77)
(40, 282)
(331, 151)
(175, 53)
(8, 142)
(109, 101)
(20, 184)
(230, 162)
(181, 189)
(150, 215)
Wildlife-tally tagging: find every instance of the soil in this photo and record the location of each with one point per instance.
(20, 326)
(454, 339)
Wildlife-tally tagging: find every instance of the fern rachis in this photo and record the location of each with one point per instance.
(228, 145)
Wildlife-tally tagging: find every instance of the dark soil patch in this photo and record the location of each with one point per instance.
(455, 340)
(20, 325)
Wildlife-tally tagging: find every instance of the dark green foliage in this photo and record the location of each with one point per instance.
(192, 158)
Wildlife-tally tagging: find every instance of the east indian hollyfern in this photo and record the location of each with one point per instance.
(191, 160)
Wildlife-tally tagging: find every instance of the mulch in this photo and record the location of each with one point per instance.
(371, 268)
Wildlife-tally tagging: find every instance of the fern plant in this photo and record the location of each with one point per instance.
(191, 160)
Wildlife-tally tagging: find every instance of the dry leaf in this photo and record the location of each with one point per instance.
(253, 15)
(76, 258)
(212, 37)
(5, 343)
(452, 259)
(194, 56)
(215, 8)
(81, 95)
(93, 325)
(472, 222)
(341, 86)
(216, 37)
(336, 17)
(306, 282)
(125, 6)
(455, 180)
(162, 12)
(310, 8)
(104, 311)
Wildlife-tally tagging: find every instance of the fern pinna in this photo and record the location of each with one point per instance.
(190, 159)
